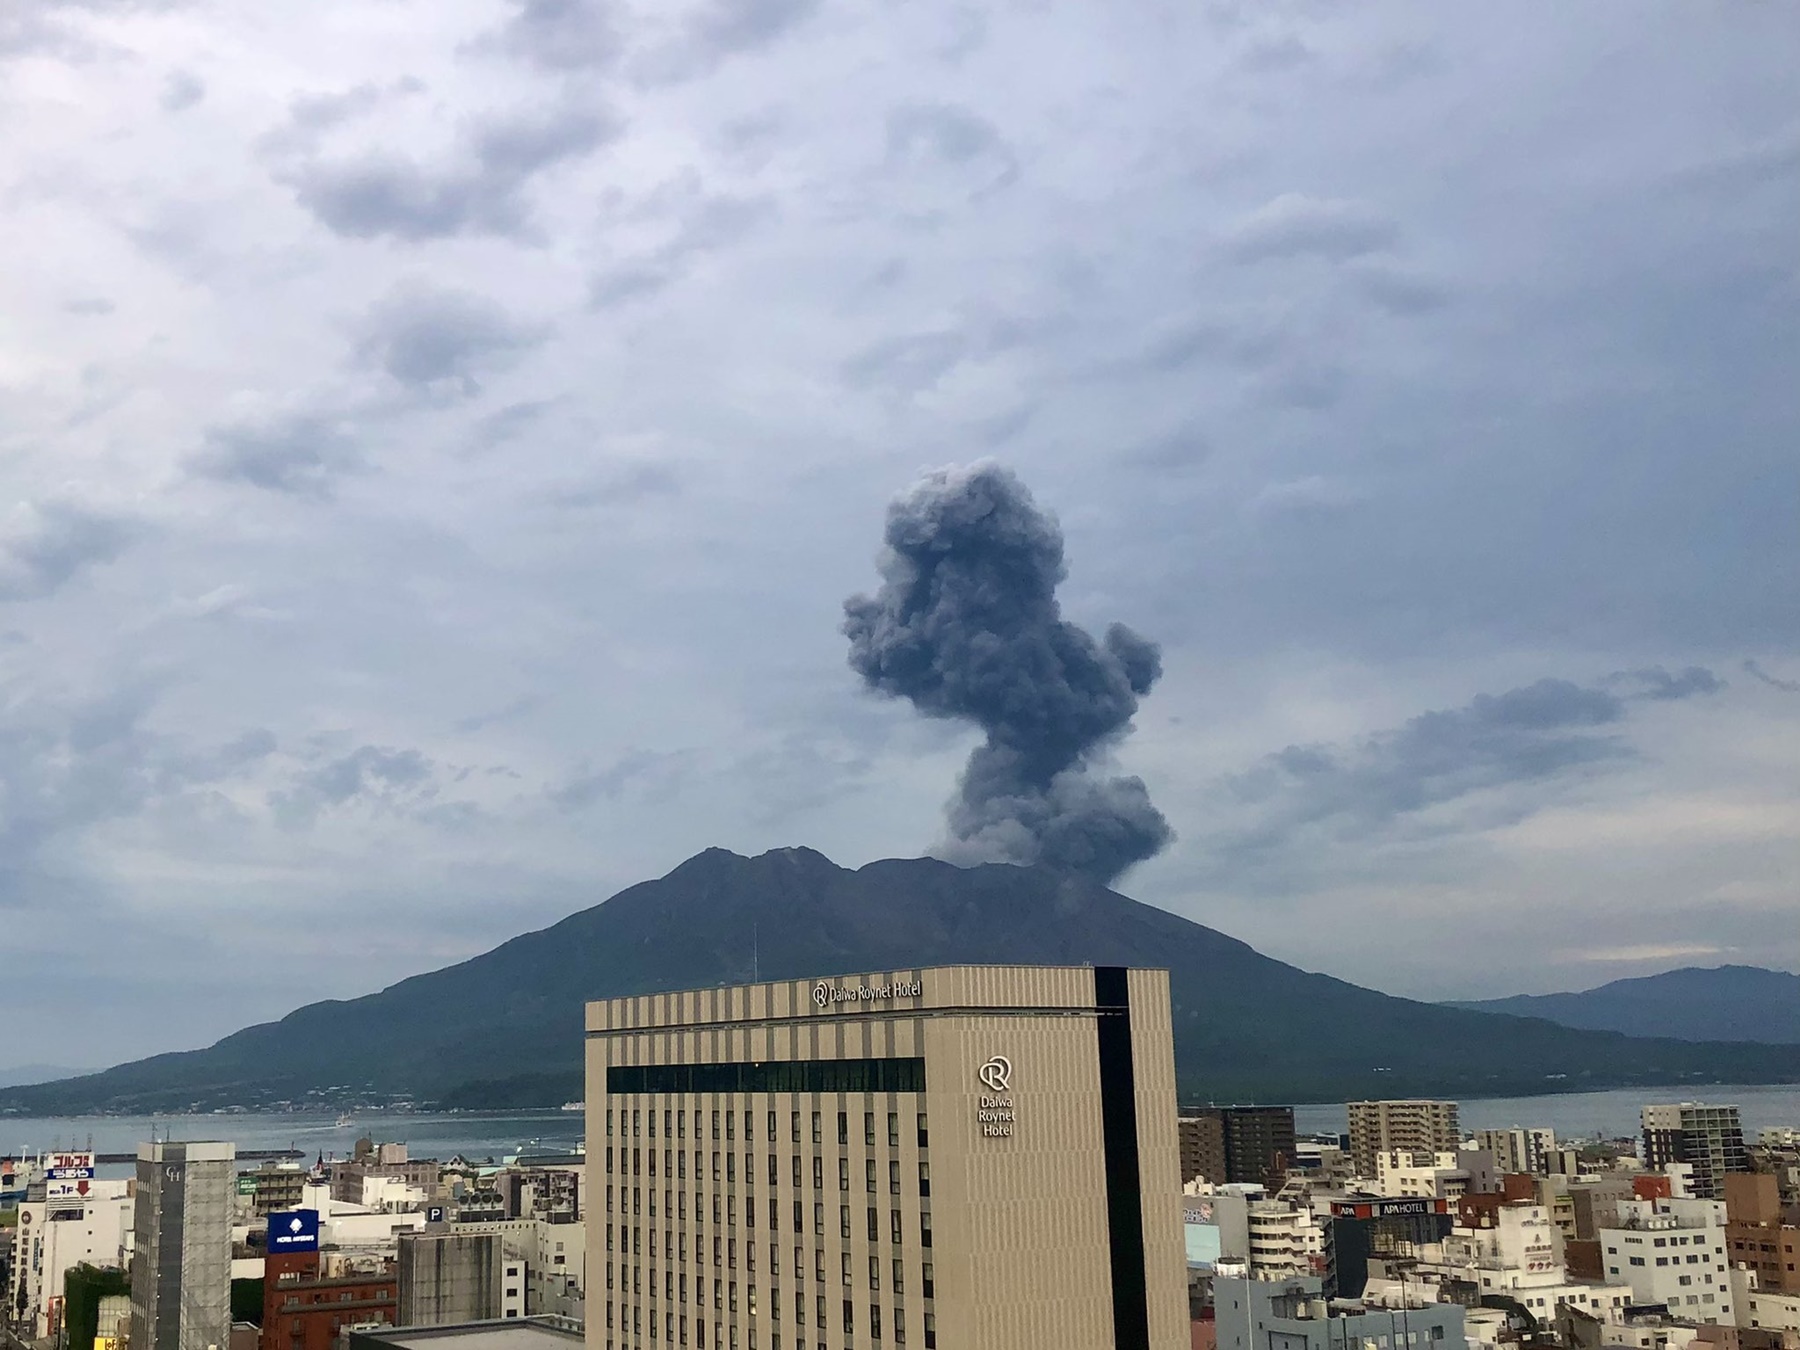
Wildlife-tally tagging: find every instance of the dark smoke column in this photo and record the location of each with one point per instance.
(966, 625)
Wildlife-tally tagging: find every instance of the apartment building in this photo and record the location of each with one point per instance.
(1709, 1139)
(1236, 1144)
(1417, 1126)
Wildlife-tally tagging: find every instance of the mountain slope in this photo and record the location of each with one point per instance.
(1722, 1003)
(504, 1028)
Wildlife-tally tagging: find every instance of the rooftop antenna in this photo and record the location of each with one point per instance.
(755, 952)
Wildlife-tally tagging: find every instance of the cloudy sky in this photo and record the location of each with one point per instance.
(436, 440)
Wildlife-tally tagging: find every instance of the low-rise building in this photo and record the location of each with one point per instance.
(1444, 1175)
(1294, 1314)
(309, 1304)
(1762, 1309)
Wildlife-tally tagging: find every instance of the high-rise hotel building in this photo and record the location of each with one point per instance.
(968, 1157)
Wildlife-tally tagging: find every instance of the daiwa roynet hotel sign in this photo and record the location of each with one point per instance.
(825, 994)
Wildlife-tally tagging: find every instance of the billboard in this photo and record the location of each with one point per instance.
(68, 1190)
(294, 1230)
(1387, 1209)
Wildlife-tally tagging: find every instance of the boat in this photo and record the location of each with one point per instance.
(344, 1122)
(574, 1106)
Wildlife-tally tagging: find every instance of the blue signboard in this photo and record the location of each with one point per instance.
(69, 1173)
(294, 1230)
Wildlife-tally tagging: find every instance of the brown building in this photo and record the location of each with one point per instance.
(1253, 1144)
(1759, 1234)
(306, 1310)
(981, 1153)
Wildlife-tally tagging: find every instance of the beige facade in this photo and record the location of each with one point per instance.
(960, 1157)
(1412, 1125)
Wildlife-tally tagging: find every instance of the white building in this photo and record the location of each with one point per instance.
(45, 1250)
(1285, 1240)
(1767, 1312)
(351, 1227)
(1521, 1257)
(1406, 1174)
(1672, 1252)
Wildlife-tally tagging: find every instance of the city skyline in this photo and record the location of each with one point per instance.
(438, 441)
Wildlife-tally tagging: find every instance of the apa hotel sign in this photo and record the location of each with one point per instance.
(825, 993)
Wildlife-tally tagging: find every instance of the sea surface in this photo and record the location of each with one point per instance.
(482, 1136)
(1596, 1115)
(477, 1136)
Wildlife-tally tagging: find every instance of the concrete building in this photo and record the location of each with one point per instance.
(1295, 1315)
(982, 1152)
(1672, 1252)
(381, 1160)
(533, 1333)
(1448, 1175)
(1417, 1126)
(1760, 1233)
(275, 1186)
(469, 1273)
(1518, 1150)
(1710, 1139)
(1237, 1144)
(1763, 1310)
(181, 1261)
(1284, 1240)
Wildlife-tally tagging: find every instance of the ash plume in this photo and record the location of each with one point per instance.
(966, 626)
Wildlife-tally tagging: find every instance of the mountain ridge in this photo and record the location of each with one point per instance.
(503, 1028)
(1726, 1002)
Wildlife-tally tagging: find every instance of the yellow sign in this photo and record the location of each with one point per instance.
(106, 1343)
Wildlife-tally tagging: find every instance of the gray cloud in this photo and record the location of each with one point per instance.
(182, 90)
(481, 190)
(46, 544)
(717, 30)
(1294, 225)
(558, 35)
(1654, 682)
(706, 223)
(299, 454)
(1527, 736)
(90, 306)
(371, 774)
(652, 772)
(632, 483)
(1754, 670)
(967, 626)
(424, 335)
(952, 138)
